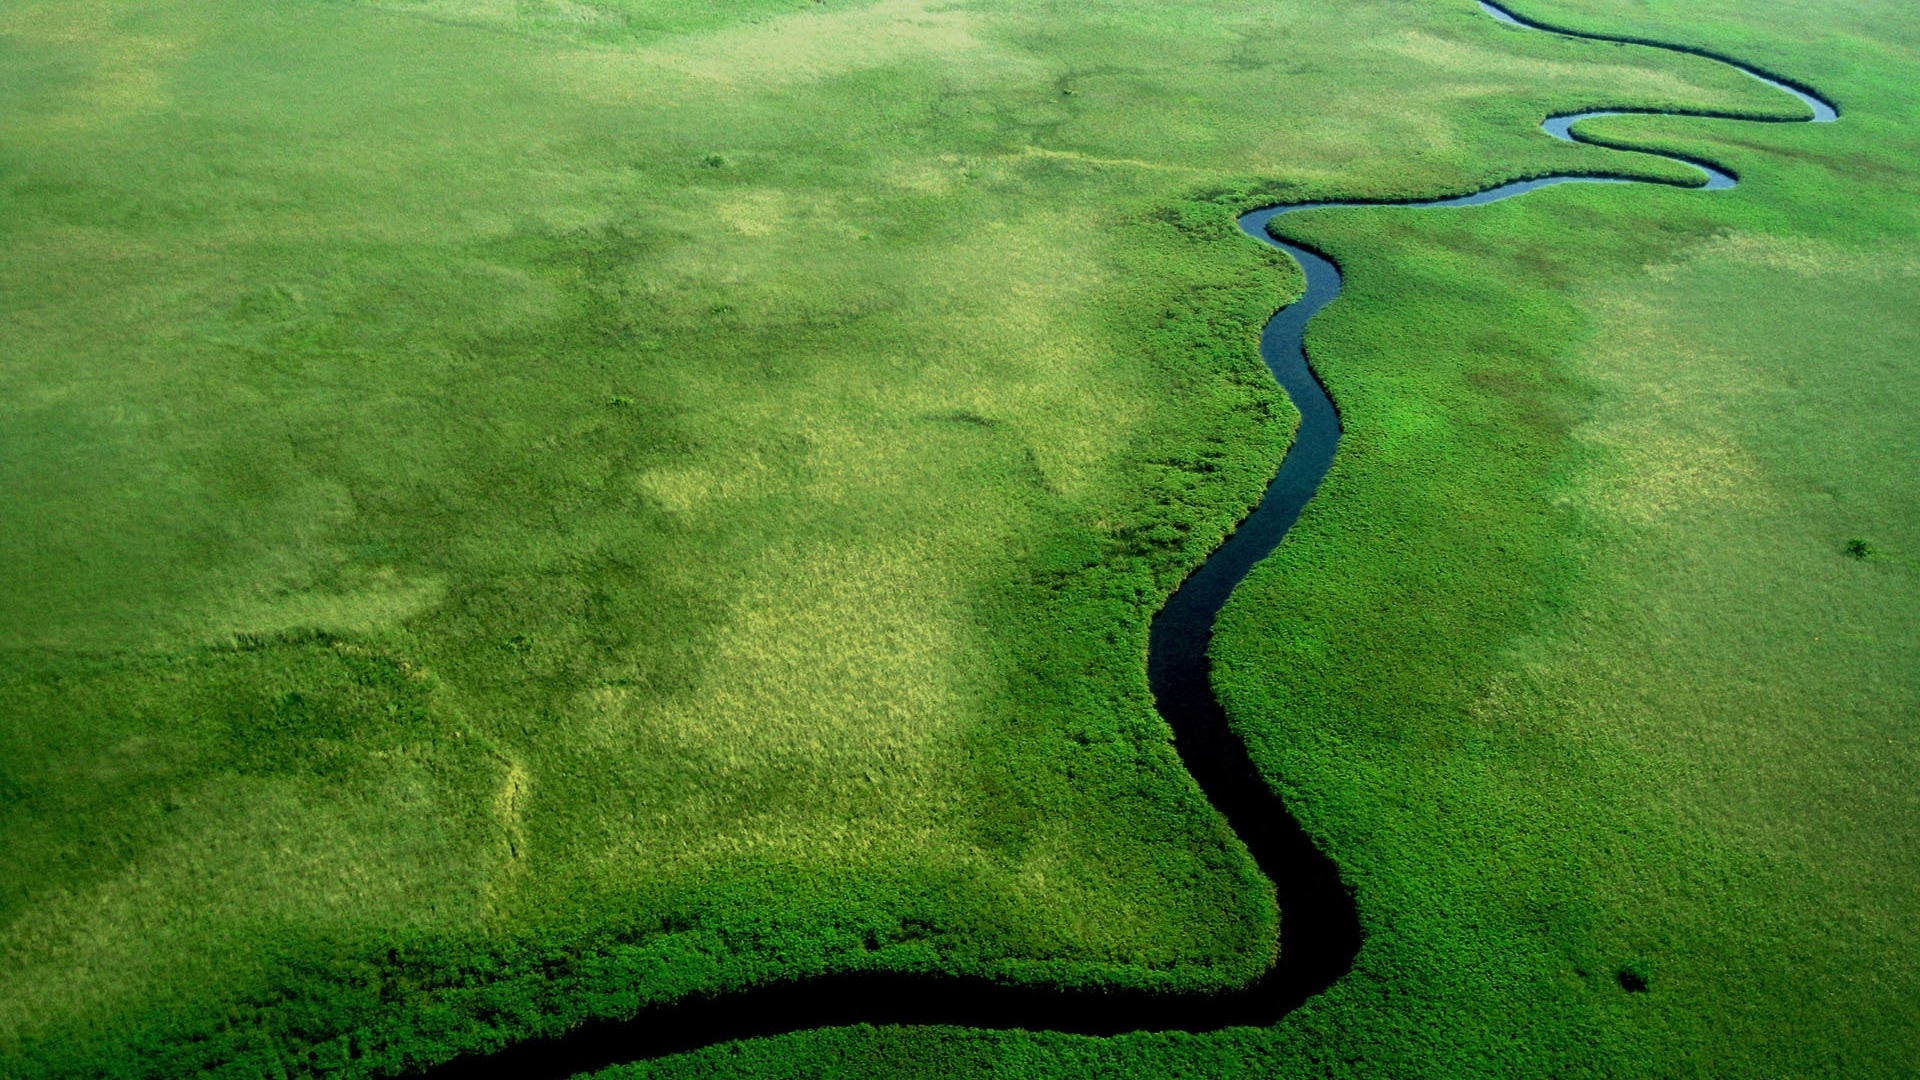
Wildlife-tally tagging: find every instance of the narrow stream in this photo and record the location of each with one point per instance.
(1320, 927)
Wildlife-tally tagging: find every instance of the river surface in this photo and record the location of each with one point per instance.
(1320, 932)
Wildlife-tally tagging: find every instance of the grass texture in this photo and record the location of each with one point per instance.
(515, 511)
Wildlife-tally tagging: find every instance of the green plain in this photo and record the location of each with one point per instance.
(519, 510)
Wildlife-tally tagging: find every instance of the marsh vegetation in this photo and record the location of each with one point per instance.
(520, 511)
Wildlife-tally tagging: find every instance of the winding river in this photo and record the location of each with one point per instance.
(1320, 928)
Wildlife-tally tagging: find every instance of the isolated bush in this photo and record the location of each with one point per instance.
(1635, 976)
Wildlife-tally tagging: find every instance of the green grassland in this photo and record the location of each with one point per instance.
(518, 510)
(1573, 663)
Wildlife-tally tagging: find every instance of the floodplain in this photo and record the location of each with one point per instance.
(517, 513)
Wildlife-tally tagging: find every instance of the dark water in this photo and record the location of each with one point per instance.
(1320, 928)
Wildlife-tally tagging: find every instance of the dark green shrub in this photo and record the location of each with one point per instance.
(1635, 976)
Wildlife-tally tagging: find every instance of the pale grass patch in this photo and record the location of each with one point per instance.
(373, 600)
(846, 663)
(809, 45)
(1012, 305)
(1800, 255)
(1721, 643)
(754, 213)
(792, 49)
(689, 492)
(251, 854)
(509, 808)
(924, 176)
(1672, 450)
(1524, 76)
(1664, 476)
(1668, 457)
(502, 14)
(1106, 162)
(1026, 360)
(299, 579)
(124, 71)
(837, 653)
(847, 669)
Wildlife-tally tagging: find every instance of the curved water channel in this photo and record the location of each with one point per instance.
(1319, 927)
